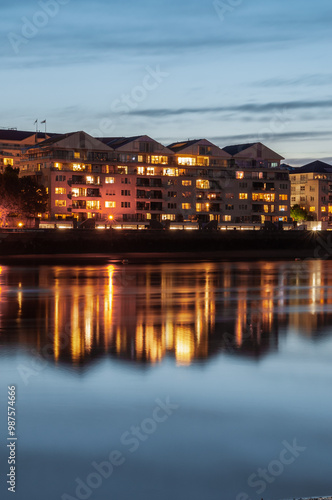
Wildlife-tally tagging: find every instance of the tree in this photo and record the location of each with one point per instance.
(20, 197)
(33, 197)
(298, 214)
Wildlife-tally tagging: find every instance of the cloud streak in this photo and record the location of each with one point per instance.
(250, 108)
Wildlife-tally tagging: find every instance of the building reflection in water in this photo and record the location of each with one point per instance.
(145, 313)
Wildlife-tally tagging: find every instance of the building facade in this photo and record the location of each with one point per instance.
(137, 180)
(311, 189)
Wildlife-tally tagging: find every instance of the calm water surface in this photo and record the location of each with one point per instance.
(241, 351)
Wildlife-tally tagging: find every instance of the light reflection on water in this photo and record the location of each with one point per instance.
(146, 313)
(244, 348)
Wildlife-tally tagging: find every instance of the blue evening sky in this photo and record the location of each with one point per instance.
(231, 71)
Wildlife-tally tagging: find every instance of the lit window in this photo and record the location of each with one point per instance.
(159, 159)
(140, 158)
(187, 161)
(323, 209)
(282, 208)
(76, 154)
(266, 208)
(186, 183)
(123, 170)
(202, 184)
(8, 161)
(243, 196)
(150, 171)
(109, 180)
(60, 203)
(58, 166)
(93, 204)
(60, 190)
(227, 218)
(78, 166)
(186, 206)
(202, 207)
(283, 197)
(109, 204)
(239, 175)
(170, 171)
(312, 209)
(75, 192)
(140, 170)
(269, 197)
(168, 217)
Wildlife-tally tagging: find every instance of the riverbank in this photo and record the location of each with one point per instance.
(164, 245)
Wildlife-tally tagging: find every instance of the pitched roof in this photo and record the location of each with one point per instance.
(73, 140)
(117, 142)
(237, 148)
(19, 135)
(314, 167)
(176, 147)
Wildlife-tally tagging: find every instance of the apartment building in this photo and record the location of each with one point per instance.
(137, 179)
(311, 188)
(12, 142)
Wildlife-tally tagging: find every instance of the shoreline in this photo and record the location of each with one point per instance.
(163, 246)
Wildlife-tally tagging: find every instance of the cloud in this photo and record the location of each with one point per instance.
(249, 107)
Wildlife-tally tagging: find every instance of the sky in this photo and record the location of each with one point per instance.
(230, 71)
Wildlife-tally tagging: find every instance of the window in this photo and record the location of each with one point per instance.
(293, 199)
(229, 207)
(60, 190)
(312, 209)
(202, 184)
(243, 184)
(140, 170)
(283, 186)
(283, 197)
(168, 217)
(312, 188)
(186, 183)
(60, 178)
(229, 196)
(187, 161)
(187, 194)
(159, 159)
(125, 192)
(150, 170)
(140, 158)
(56, 165)
(171, 194)
(323, 209)
(125, 180)
(186, 206)
(60, 203)
(123, 170)
(243, 207)
(78, 167)
(243, 196)
(302, 188)
(125, 204)
(109, 204)
(282, 208)
(170, 171)
(239, 175)
(171, 205)
(93, 204)
(227, 218)
(202, 207)
(109, 180)
(303, 178)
